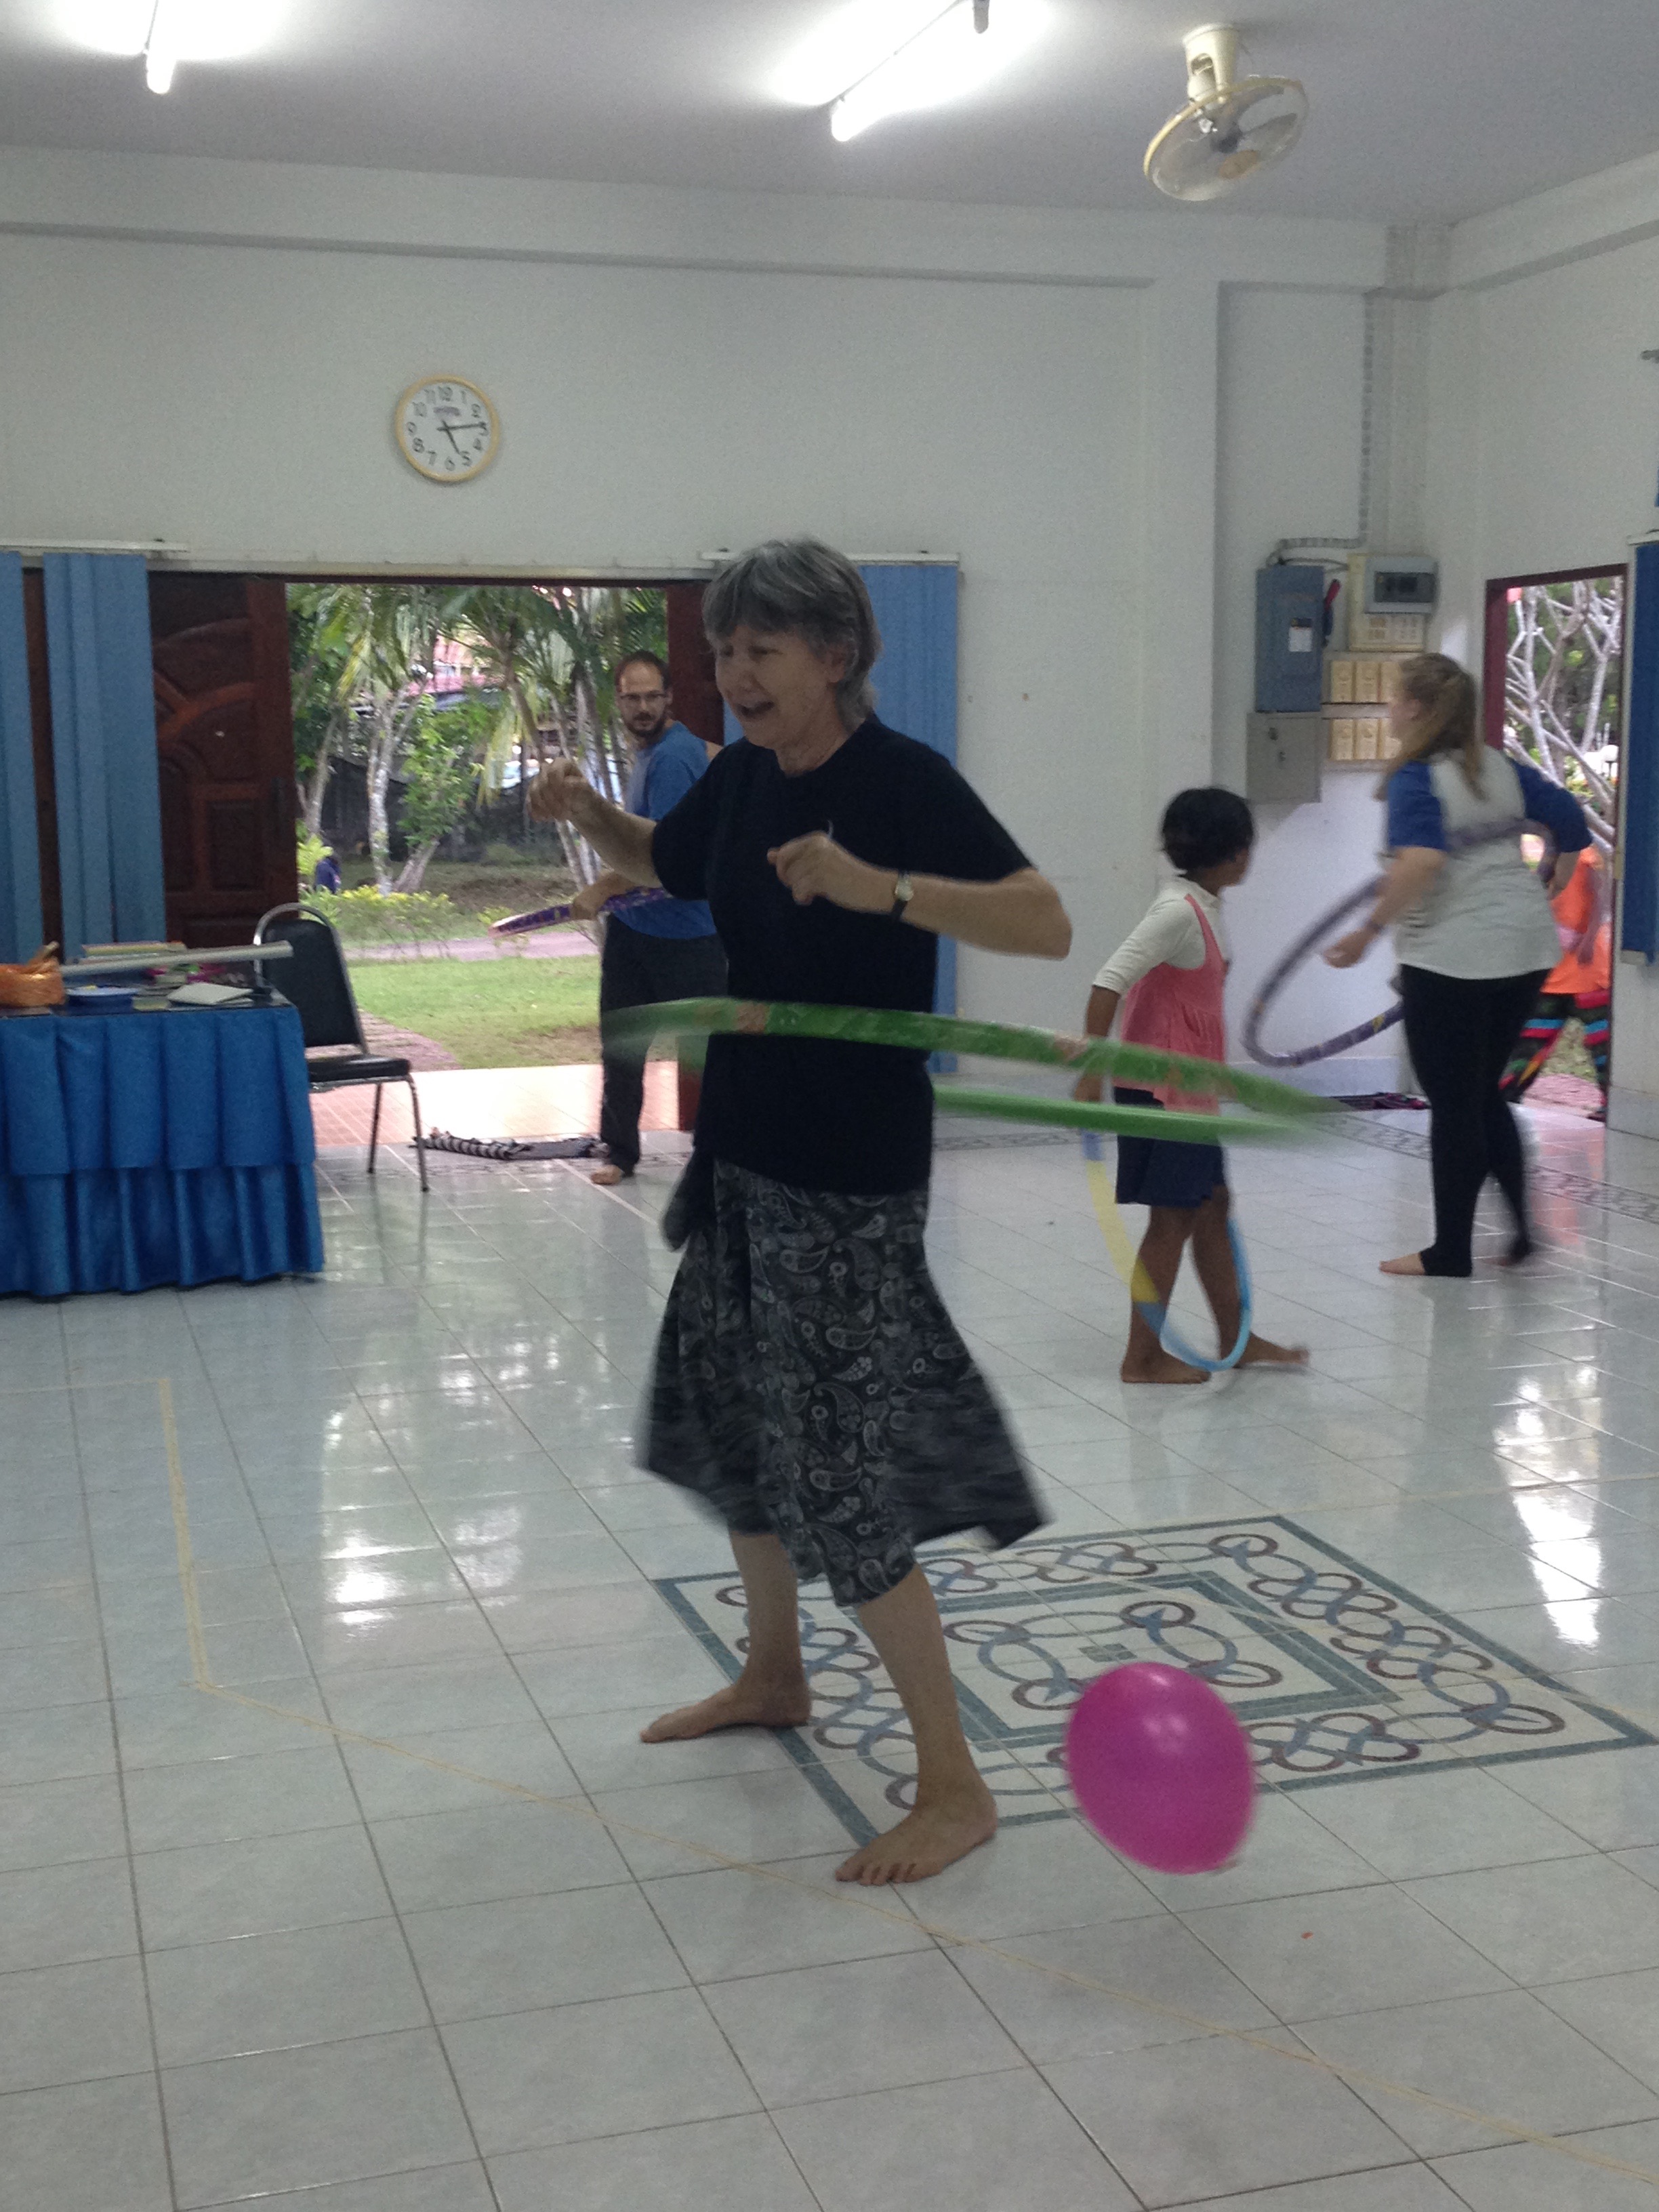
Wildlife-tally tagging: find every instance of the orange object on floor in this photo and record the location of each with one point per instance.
(491, 1101)
(1576, 908)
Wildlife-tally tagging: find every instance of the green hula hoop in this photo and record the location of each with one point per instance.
(1279, 1111)
(1156, 1122)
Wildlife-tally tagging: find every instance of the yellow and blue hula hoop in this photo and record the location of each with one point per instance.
(1275, 1113)
(1140, 1283)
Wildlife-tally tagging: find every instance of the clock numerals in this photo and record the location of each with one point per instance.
(446, 430)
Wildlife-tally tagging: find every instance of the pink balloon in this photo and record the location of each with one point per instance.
(1160, 1768)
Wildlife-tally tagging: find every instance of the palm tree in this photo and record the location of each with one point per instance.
(552, 649)
(322, 710)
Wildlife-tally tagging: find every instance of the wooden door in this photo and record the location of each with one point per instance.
(46, 773)
(224, 727)
(698, 702)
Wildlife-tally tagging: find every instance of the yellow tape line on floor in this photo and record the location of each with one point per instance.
(855, 1897)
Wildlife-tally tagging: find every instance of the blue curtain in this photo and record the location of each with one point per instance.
(103, 738)
(20, 852)
(915, 680)
(1639, 909)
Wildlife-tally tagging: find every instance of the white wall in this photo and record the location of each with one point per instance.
(212, 351)
(1544, 431)
(1290, 415)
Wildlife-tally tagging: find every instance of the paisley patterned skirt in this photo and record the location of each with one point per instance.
(809, 1381)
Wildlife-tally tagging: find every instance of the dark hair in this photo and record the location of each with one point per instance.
(1205, 827)
(643, 660)
(799, 585)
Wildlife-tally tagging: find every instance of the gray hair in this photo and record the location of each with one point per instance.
(802, 585)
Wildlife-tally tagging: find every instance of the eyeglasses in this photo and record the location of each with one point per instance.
(641, 698)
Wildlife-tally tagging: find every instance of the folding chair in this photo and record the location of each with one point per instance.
(316, 983)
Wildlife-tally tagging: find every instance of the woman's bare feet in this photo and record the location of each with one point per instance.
(1410, 1263)
(1159, 1366)
(610, 1174)
(1261, 1351)
(743, 1704)
(942, 1830)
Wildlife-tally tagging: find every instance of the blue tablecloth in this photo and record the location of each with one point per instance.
(139, 1149)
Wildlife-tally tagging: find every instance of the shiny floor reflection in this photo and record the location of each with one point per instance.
(245, 1950)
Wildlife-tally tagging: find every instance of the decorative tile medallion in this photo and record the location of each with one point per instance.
(1336, 1674)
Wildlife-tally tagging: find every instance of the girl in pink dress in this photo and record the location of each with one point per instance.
(1168, 977)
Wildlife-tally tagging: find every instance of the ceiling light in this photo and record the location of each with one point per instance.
(161, 52)
(959, 48)
(168, 31)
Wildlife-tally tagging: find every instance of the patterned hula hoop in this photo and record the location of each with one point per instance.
(1309, 941)
(549, 917)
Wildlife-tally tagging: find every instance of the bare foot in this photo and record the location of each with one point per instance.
(926, 1841)
(1261, 1351)
(609, 1174)
(1410, 1264)
(1160, 1367)
(744, 1705)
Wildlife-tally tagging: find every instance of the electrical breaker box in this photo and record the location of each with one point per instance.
(1282, 757)
(1290, 638)
(1401, 583)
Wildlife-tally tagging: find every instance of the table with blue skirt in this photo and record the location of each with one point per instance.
(141, 1149)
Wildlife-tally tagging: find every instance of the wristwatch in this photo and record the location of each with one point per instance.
(904, 892)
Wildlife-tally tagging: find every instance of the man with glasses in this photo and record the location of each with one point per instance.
(665, 949)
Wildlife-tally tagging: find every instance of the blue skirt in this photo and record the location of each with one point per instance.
(1152, 1172)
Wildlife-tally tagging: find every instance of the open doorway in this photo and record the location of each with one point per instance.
(1554, 691)
(420, 713)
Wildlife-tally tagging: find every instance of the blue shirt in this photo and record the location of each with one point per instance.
(1415, 817)
(662, 775)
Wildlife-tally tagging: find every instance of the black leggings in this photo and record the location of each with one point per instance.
(1461, 1034)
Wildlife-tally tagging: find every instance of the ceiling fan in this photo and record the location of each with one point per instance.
(1230, 127)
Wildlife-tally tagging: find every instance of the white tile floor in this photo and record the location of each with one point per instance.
(352, 1934)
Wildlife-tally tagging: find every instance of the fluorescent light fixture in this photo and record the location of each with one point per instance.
(161, 54)
(168, 31)
(846, 43)
(961, 48)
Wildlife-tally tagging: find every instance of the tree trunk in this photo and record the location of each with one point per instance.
(382, 747)
(411, 877)
(317, 791)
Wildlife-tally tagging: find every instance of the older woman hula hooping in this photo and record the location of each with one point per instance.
(809, 1384)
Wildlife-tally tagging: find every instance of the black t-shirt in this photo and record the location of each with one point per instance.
(812, 1112)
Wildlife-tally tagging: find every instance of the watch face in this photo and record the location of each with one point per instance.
(446, 429)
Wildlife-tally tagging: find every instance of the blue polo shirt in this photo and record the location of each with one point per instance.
(662, 775)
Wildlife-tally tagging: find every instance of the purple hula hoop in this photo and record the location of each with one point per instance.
(1459, 842)
(549, 917)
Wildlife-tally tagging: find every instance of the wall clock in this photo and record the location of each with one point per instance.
(446, 429)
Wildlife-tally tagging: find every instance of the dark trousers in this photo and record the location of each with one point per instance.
(1461, 1034)
(637, 970)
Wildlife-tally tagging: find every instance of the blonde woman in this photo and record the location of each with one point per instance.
(1474, 936)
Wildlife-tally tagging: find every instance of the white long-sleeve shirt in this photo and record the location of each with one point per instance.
(1169, 935)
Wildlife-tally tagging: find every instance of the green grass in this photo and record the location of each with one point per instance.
(490, 1013)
